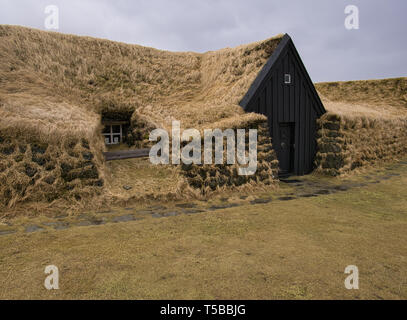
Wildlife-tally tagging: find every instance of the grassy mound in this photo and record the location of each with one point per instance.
(54, 88)
(374, 99)
(366, 123)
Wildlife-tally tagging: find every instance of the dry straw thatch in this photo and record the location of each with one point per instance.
(366, 123)
(373, 99)
(54, 88)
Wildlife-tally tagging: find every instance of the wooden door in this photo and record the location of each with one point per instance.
(286, 148)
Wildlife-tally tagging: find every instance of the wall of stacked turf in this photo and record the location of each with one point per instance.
(347, 144)
(34, 171)
(366, 124)
(208, 178)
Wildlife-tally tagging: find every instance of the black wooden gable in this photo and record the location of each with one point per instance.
(273, 62)
(284, 92)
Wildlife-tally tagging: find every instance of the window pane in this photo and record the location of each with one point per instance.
(116, 129)
(106, 129)
(116, 139)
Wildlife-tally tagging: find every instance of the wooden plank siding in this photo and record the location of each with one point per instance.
(297, 104)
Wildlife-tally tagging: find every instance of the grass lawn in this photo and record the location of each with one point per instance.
(294, 249)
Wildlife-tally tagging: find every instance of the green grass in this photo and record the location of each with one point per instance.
(282, 250)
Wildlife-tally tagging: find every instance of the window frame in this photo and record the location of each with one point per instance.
(287, 78)
(111, 135)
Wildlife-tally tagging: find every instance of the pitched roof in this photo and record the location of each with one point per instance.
(42, 71)
(268, 68)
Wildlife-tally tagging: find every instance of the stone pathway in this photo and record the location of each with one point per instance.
(291, 189)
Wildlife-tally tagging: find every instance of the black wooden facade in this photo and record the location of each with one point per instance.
(284, 92)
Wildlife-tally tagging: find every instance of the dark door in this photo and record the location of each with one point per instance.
(286, 150)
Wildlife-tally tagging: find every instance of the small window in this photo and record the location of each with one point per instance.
(287, 78)
(113, 134)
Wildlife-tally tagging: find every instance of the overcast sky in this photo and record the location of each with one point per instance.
(330, 51)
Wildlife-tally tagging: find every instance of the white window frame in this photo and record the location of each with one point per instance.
(111, 134)
(287, 78)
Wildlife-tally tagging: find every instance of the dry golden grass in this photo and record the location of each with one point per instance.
(282, 250)
(147, 182)
(98, 75)
(54, 88)
(374, 99)
(349, 143)
(366, 124)
(46, 119)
